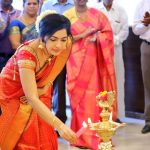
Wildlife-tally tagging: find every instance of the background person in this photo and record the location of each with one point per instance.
(7, 13)
(23, 28)
(119, 22)
(90, 68)
(141, 27)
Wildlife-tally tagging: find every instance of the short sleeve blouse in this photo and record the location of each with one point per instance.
(27, 58)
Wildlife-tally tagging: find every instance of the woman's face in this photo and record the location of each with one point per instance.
(80, 2)
(57, 42)
(31, 7)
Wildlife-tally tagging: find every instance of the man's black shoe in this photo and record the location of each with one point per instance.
(118, 120)
(146, 129)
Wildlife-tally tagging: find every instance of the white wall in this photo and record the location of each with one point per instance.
(18, 4)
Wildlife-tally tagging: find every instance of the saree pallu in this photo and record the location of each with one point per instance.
(20, 127)
(29, 33)
(90, 70)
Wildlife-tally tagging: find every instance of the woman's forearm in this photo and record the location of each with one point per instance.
(78, 37)
(44, 112)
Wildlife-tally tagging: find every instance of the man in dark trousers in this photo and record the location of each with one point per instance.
(7, 13)
(141, 27)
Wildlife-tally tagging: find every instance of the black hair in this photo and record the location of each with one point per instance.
(52, 23)
(24, 1)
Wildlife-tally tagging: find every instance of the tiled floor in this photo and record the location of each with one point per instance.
(126, 138)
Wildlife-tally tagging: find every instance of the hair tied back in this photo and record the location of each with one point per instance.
(41, 16)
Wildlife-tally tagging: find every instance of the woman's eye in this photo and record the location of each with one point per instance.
(52, 40)
(64, 40)
(32, 4)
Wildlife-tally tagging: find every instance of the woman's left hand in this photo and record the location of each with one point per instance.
(66, 133)
(93, 38)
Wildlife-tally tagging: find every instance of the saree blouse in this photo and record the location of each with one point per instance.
(24, 58)
(27, 32)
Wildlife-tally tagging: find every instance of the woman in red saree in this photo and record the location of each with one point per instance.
(90, 68)
(26, 123)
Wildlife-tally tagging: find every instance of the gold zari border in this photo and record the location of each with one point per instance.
(26, 64)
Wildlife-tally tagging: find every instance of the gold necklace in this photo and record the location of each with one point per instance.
(28, 20)
(82, 15)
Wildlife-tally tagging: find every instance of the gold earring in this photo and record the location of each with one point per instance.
(41, 45)
(69, 42)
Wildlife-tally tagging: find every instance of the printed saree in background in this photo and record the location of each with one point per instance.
(26, 32)
(90, 70)
(20, 126)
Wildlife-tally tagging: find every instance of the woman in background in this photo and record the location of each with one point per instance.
(23, 28)
(26, 88)
(90, 68)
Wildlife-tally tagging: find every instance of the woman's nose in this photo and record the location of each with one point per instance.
(59, 44)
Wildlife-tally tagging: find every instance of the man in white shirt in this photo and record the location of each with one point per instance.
(119, 22)
(141, 27)
(60, 6)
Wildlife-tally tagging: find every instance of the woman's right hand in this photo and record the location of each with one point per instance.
(88, 31)
(66, 133)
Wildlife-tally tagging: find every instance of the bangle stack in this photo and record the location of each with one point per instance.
(60, 130)
(56, 123)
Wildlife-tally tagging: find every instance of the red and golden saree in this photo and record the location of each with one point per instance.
(90, 70)
(20, 126)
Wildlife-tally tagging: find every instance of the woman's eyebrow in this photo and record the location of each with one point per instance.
(58, 37)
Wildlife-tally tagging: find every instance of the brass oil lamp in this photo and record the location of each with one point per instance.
(106, 128)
